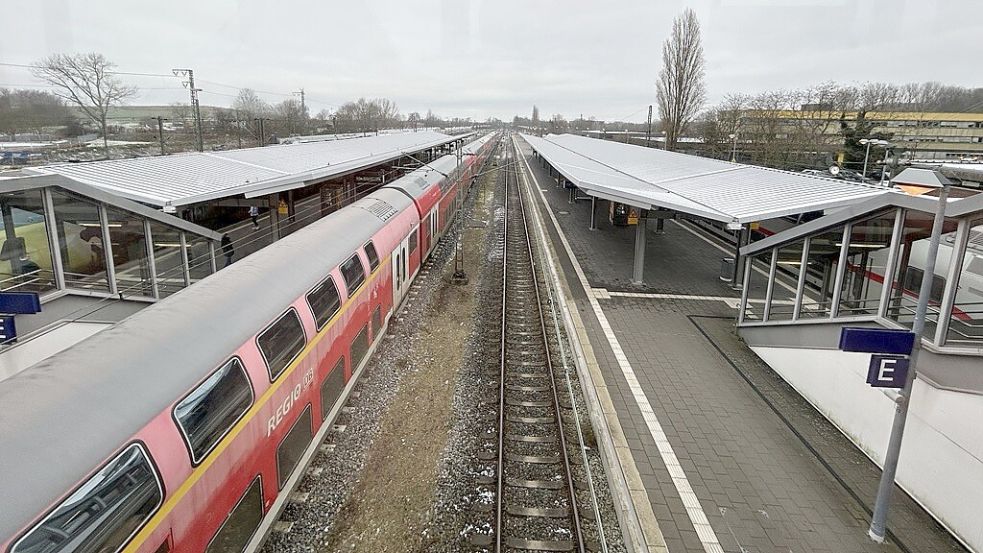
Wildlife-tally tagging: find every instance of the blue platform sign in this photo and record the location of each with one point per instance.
(20, 303)
(877, 340)
(887, 371)
(8, 331)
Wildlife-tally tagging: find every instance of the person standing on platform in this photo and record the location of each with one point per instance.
(227, 249)
(254, 215)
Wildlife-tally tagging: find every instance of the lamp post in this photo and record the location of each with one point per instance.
(733, 152)
(871, 142)
(926, 179)
(887, 150)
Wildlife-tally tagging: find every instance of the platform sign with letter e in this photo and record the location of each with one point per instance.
(890, 349)
(887, 371)
(8, 330)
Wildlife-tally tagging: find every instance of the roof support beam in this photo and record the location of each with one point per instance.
(892, 261)
(956, 259)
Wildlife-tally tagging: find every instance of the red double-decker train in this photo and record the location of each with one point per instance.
(184, 427)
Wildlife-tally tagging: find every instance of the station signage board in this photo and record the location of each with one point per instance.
(877, 340)
(889, 363)
(8, 331)
(22, 303)
(887, 371)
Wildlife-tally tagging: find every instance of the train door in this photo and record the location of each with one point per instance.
(433, 227)
(401, 265)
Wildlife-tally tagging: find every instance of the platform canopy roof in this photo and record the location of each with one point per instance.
(656, 179)
(188, 178)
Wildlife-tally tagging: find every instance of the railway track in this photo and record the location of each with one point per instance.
(535, 506)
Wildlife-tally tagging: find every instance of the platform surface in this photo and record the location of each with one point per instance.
(715, 435)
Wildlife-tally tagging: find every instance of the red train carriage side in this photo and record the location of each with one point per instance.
(191, 421)
(208, 403)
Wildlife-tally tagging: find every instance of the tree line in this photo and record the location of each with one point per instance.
(85, 89)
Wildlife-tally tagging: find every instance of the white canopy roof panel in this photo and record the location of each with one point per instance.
(182, 179)
(720, 190)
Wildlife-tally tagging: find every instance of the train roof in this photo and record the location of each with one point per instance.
(417, 182)
(64, 416)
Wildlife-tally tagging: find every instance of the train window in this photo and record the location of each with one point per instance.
(354, 274)
(210, 410)
(332, 386)
(293, 445)
(413, 240)
(376, 321)
(164, 547)
(324, 302)
(241, 523)
(281, 342)
(104, 512)
(360, 346)
(372, 255)
(913, 282)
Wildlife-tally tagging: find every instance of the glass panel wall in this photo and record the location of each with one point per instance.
(786, 272)
(866, 265)
(757, 285)
(132, 265)
(824, 256)
(168, 258)
(907, 279)
(199, 257)
(25, 255)
(80, 241)
(966, 323)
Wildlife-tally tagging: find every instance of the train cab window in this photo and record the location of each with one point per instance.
(241, 523)
(371, 254)
(293, 445)
(207, 414)
(413, 240)
(331, 388)
(165, 547)
(354, 274)
(104, 513)
(281, 342)
(324, 302)
(360, 347)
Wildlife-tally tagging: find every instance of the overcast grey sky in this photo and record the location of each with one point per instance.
(480, 58)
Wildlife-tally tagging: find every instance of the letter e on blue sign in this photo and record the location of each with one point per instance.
(887, 371)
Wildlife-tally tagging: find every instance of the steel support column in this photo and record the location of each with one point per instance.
(593, 213)
(639, 268)
(148, 238)
(275, 216)
(743, 238)
(107, 250)
(54, 241)
(956, 259)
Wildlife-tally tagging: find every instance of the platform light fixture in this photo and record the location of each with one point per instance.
(871, 142)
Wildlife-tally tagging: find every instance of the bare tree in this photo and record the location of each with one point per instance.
(680, 89)
(248, 107)
(86, 80)
(367, 115)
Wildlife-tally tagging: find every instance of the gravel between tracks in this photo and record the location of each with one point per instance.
(403, 476)
(374, 490)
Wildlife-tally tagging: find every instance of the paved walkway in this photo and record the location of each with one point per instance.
(730, 457)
